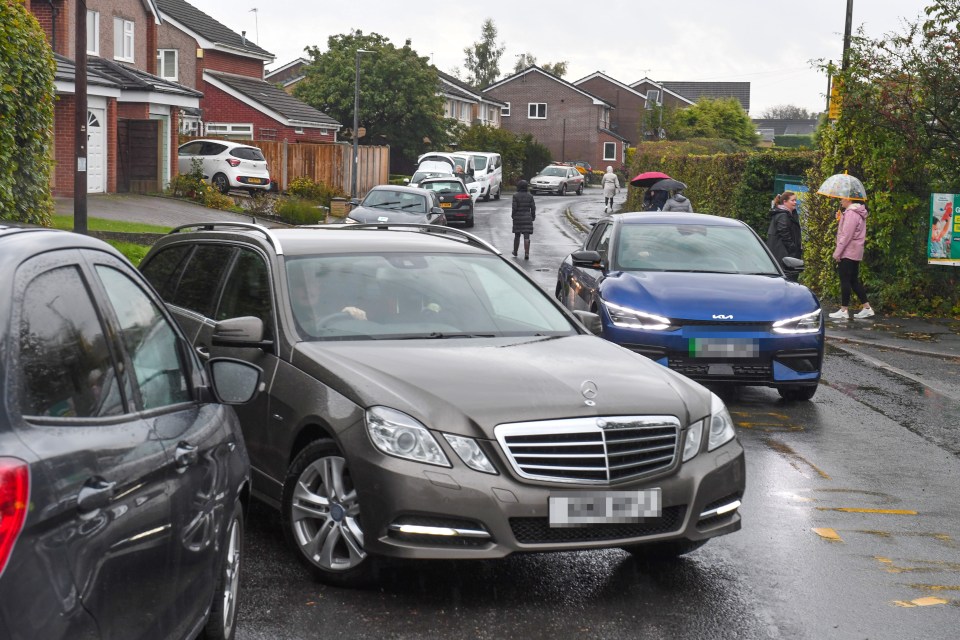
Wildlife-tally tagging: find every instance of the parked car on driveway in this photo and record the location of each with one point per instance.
(226, 165)
(388, 203)
(701, 295)
(456, 203)
(558, 179)
(464, 414)
(123, 477)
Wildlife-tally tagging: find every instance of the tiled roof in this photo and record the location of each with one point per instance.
(131, 78)
(67, 72)
(208, 28)
(456, 87)
(272, 97)
(696, 90)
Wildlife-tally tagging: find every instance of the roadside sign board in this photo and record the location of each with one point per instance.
(833, 112)
(943, 242)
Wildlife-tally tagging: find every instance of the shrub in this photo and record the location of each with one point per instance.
(297, 210)
(306, 189)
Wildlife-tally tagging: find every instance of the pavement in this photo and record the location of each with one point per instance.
(936, 337)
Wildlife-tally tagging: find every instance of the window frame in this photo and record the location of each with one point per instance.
(534, 107)
(124, 48)
(611, 156)
(93, 32)
(505, 111)
(176, 64)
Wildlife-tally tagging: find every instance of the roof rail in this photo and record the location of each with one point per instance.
(454, 233)
(248, 226)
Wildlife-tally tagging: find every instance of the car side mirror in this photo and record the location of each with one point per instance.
(354, 202)
(792, 264)
(589, 259)
(234, 381)
(406, 181)
(589, 320)
(246, 331)
(436, 210)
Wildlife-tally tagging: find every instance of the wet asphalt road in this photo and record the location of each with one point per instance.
(851, 525)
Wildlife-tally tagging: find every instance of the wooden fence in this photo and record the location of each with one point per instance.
(329, 163)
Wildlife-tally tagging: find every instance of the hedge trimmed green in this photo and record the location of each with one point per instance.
(27, 71)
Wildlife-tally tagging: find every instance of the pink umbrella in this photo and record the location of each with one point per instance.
(647, 178)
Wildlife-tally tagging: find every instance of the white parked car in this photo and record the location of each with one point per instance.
(488, 171)
(226, 165)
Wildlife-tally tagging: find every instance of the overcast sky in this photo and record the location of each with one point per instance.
(769, 43)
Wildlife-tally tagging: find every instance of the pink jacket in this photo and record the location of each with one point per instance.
(851, 233)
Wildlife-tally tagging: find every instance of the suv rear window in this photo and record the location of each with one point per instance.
(248, 153)
(454, 186)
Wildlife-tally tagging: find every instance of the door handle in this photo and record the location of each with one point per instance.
(203, 352)
(95, 494)
(185, 455)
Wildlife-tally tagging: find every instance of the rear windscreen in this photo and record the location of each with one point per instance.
(248, 153)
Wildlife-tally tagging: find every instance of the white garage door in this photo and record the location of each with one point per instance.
(96, 152)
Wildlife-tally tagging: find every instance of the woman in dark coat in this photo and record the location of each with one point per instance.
(524, 212)
(783, 235)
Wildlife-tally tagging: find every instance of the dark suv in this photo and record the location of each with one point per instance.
(426, 399)
(123, 479)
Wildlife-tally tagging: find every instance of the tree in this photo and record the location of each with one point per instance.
(526, 60)
(483, 58)
(26, 116)
(786, 112)
(522, 155)
(711, 118)
(399, 100)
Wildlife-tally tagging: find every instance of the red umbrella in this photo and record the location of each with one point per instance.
(647, 178)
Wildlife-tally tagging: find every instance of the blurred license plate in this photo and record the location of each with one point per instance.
(446, 205)
(254, 180)
(576, 509)
(724, 347)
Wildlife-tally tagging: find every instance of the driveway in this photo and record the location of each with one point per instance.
(158, 210)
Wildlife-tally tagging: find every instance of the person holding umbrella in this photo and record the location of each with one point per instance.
(851, 236)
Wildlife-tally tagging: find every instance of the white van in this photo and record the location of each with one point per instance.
(488, 170)
(458, 158)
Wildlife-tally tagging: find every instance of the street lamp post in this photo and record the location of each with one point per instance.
(356, 126)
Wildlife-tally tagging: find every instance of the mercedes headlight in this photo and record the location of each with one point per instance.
(470, 452)
(721, 424)
(634, 319)
(397, 434)
(807, 323)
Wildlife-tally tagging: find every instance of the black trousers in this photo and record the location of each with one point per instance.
(849, 272)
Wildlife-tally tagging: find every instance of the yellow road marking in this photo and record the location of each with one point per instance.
(828, 534)
(936, 587)
(891, 512)
(920, 602)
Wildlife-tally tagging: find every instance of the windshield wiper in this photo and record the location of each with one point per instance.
(437, 335)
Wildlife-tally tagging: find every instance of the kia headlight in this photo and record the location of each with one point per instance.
(634, 319)
(397, 434)
(807, 323)
(471, 453)
(719, 428)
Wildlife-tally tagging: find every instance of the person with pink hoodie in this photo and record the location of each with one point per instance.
(851, 234)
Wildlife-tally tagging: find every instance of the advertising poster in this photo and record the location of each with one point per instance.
(943, 244)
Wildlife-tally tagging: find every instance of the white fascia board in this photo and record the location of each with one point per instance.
(155, 97)
(69, 88)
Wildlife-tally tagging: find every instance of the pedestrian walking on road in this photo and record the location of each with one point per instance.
(851, 235)
(678, 202)
(783, 234)
(524, 212)
(611, 187)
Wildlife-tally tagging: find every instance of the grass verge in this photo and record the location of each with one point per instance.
(132, 251)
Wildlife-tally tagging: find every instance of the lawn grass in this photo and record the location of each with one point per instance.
(102, 224)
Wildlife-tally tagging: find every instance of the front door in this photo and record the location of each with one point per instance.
(96, 150)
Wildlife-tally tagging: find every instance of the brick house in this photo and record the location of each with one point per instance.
(131, 113)
(467, 104)
(237, 102)
(571, 122)
(288, 75)
(632, 103)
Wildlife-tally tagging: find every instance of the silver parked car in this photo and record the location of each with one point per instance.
(559, 179)
(425, 399)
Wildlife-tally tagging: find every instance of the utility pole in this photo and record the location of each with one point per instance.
(846, 36)
(80, 121)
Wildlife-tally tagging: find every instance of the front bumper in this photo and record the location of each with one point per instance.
(412, 510)
(545, 188)
(774, 359)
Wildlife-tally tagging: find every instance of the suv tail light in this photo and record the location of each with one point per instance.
(14, 495)
(462, 196)
(233, 162)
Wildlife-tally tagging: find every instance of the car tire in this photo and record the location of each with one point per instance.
(221, 183)
(563, 189)
(222, 623)
(499, 189)
(580, 189)
(797, 393)
(469, 222)
(668, 551)
(323, 528)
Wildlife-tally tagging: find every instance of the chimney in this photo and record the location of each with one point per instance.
(243, 36)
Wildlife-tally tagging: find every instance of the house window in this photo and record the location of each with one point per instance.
(609, 150)
(298, 131)
(324, 132)
(505, 111)
(537, 110)
(230, 130)
(653, 99)
(123, 39)
(167, 64)
(93, 32)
